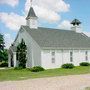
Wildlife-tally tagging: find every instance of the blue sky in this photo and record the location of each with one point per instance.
(13, 13)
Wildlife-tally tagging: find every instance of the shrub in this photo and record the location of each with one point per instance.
(37, 69)
(18, 68)
(21, 54)
(68, 66)
(84, 64)
(4, 64)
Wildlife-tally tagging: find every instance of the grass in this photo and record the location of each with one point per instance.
(11, 74)
(87, 88)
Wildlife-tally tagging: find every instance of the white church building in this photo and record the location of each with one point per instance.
(48, 47)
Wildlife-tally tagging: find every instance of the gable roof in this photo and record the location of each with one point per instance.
(31, 13)
(55, 38)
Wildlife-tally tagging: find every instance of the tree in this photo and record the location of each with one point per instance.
(1, 48)
(21, 54)
(5, 55)
(1, 42)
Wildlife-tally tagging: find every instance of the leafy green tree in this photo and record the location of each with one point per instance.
(5, 55)
(1, 42)
(1, 47)
(21, 54)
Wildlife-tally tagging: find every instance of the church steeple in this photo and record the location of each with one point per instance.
(31, 14)
(31, 19)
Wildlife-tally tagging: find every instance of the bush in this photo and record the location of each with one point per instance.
(37, 69)
(68, 66)
(84, 64)
(4, 64)
(18, 68)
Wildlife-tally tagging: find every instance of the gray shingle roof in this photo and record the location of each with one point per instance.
(31, 13)
(55, 38)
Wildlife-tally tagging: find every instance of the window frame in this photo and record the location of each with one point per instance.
(86, 55)
(53, 53)
(71, 56)
(53, 60)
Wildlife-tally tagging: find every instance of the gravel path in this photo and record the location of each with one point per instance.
(72, 82)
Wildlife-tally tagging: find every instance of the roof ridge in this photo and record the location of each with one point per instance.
(50, 28)
(54, 29)
(46, 28)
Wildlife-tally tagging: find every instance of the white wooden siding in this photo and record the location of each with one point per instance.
(62, 57)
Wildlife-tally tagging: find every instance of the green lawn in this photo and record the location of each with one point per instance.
(11, 74)
(88, 88)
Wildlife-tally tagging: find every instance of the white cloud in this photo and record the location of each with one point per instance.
(12, 21)
(8, 40)
(12, 3)
(45, 9)
(65, 25)
(48, 10)
(47, 15)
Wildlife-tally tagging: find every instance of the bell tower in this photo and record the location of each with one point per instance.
(31, 19)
